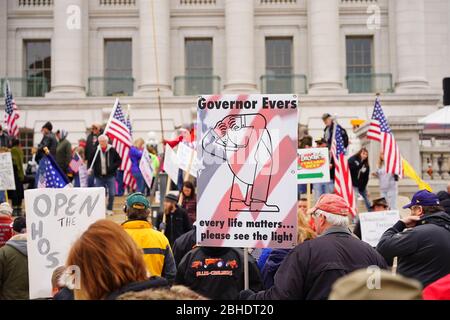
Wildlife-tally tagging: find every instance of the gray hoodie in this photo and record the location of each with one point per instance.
(19, 242)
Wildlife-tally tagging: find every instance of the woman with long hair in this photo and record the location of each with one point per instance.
(110, 263)
(360, 171)
(189, 202)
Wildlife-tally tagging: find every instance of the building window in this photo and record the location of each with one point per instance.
(37, 68)
(359, 64)
(278, 78)
(26, 141)
(118, 67)
(199, 66)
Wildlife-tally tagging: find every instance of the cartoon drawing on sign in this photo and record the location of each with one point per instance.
(244, 142)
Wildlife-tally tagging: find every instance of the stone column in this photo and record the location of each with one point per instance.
(154, 72)
(240, 53)
(70, 30)
(325, 49)
(3, 38)
(410, 38)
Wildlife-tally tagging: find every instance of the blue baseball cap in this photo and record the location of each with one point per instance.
(423, 198)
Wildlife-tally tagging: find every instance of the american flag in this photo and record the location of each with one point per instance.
(120, 134)
(342, 177)
(11, 113)
(379, 131)
(75, 163)
(50, 175)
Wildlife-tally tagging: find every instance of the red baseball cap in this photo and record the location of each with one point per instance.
(332, 203)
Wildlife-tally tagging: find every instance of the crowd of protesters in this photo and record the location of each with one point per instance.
(142, 260)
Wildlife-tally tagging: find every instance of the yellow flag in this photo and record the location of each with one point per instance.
(409, 172)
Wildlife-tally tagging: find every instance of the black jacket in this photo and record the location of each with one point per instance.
(360, 172)
(5, 141)
(177, 224)
(113, 162)
(311, 268)
(152, 283)
(91, 146)
(49, 141)
(328, 135)
(217, 273)
(184, 244)
(423, 252)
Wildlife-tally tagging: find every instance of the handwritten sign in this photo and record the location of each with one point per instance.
(171, 163)
(313, 165)
(55, 219)
(187, 159)
(146, 167)
(6, 172)
(374, 224)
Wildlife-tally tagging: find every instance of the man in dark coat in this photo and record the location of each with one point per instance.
(177, 220)
(105, 167)
(48, 141)
(63, 151)
(421, 241)
(217, 273)
(184, 244)
(329, 128)
(311, 268)
(5, 141)
(91, 147)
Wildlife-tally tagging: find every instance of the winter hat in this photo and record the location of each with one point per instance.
(63, 134)
(20, 225)
(171, 197)
(438, 290)
(137, 201)
(332, 203)
(48, 125)
(362, 285)
(5, 208)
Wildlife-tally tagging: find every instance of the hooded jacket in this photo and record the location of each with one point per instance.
(311, 268)
(423, 252)
(64, 152)
(14, 269)
(158, 256)
(113, 162)
(217, 273)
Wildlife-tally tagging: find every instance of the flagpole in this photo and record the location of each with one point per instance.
(105, 131)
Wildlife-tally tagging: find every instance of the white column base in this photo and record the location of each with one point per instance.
(412, 85)
(326, 88)
(66, 92)
(240, 88)
(152, 90)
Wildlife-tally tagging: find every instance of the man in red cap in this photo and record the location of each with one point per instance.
(312, 267)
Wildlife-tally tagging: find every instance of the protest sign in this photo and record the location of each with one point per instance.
(146, 167)
(247, 185)
(171, 165)
(55, 220)
(374, 224)
(6, 172)
(187, 159)
(83, 175)
(313, 165)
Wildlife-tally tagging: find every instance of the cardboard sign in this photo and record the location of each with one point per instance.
(55, 220)
(374, 224)
(146, 167)
(247, 185)
(6, 172)
(188, 159)
(83, 175)
(171, 165)
(313, 165)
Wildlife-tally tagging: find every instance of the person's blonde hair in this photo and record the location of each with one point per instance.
(139, 143)
(108, 259)
(305, 232)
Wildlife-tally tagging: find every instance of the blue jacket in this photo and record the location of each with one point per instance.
(274, 261)
(263, 258)
(135, 157)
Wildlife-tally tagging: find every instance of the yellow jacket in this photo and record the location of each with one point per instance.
(158, 255)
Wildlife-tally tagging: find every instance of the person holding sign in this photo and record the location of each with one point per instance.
(378, 205)
(158, 256)
(110, 262)
(306, 274)
(421, 241)
(177, 222)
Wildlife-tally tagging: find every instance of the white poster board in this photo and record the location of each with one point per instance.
(171, 165)
(55, 220)
(146, 167)
(187, 159)
(6, 172)
(247, 186)
(374, 224)
(313, 165)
